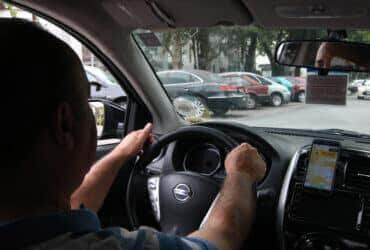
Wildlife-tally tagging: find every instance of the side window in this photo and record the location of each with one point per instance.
(264, 81)
(193, 78)
(237, 80)
(163, 77)
(107, 87)
(179, 77)
(251, 80)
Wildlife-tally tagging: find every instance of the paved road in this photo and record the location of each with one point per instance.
(354, 116)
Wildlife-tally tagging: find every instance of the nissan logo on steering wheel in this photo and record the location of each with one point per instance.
(182, 192)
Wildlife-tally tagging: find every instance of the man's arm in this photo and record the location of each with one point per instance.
(233, 214)
(97, 182)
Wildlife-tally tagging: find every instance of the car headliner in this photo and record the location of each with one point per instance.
(268, 13)
(107, 24)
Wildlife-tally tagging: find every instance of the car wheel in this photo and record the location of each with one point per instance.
(251, 103)
(190, 106)
(301, 96)
(276, 100)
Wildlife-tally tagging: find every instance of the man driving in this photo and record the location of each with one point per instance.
(49, 146)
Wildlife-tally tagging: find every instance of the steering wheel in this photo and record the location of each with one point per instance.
(179, 199)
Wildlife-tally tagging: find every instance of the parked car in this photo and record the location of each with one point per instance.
(354, 86)
(205, 89)
(282, 80)
(278, 94)
(258, 93)
(364, 90)
(104, 86)
(298, 92)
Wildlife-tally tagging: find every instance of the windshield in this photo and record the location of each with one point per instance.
(229, 74)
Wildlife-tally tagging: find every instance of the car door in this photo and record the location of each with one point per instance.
(257, 86)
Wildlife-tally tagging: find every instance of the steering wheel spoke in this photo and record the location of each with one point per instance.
(153, 190)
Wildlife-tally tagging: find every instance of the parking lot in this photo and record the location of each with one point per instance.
(354, 116)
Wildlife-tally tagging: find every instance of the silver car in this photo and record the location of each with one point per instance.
(103, 86)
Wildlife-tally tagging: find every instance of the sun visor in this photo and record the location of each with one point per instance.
(338, 14)
(154, 14)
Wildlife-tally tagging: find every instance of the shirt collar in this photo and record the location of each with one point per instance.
(24, 232)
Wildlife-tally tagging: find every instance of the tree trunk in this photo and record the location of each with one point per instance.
(243, 57)
(250, 57)
(204, 49)
(177, 52)
(194, 52)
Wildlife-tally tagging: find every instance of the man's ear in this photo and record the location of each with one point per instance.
(64, 125)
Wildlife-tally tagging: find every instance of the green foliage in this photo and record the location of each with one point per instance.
(238, 44)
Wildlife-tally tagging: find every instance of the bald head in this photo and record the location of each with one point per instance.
(38, 72)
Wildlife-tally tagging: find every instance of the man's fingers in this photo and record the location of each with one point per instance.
(146, 131)
(151, 138)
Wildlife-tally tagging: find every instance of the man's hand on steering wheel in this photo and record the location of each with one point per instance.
(232, 216)
(133, 143)
(245, 159)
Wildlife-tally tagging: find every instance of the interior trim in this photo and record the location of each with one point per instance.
(284, 195)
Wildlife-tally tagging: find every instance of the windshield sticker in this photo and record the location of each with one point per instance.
(330, 89)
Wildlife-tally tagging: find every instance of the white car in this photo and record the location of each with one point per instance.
(363, 91)
(105, 86)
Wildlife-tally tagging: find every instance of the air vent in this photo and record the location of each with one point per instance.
(301, 166)
(365, 224)
(358, 174)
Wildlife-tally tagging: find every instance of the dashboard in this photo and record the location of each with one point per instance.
(337, 218)
(290, 214)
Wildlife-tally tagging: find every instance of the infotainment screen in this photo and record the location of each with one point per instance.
(321, 167)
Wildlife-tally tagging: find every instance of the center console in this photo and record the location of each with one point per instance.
(325, 199)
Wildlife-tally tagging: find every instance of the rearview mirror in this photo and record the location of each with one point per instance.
(325, 55)
(109, 118)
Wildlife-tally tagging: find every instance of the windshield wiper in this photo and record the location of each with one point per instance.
(343, 132)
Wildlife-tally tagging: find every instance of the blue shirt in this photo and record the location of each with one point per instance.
(80, 229)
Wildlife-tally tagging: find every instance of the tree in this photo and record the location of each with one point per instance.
(267, 42)
(173, 42)
(208, 44)
(241, 47)
(269, 39)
